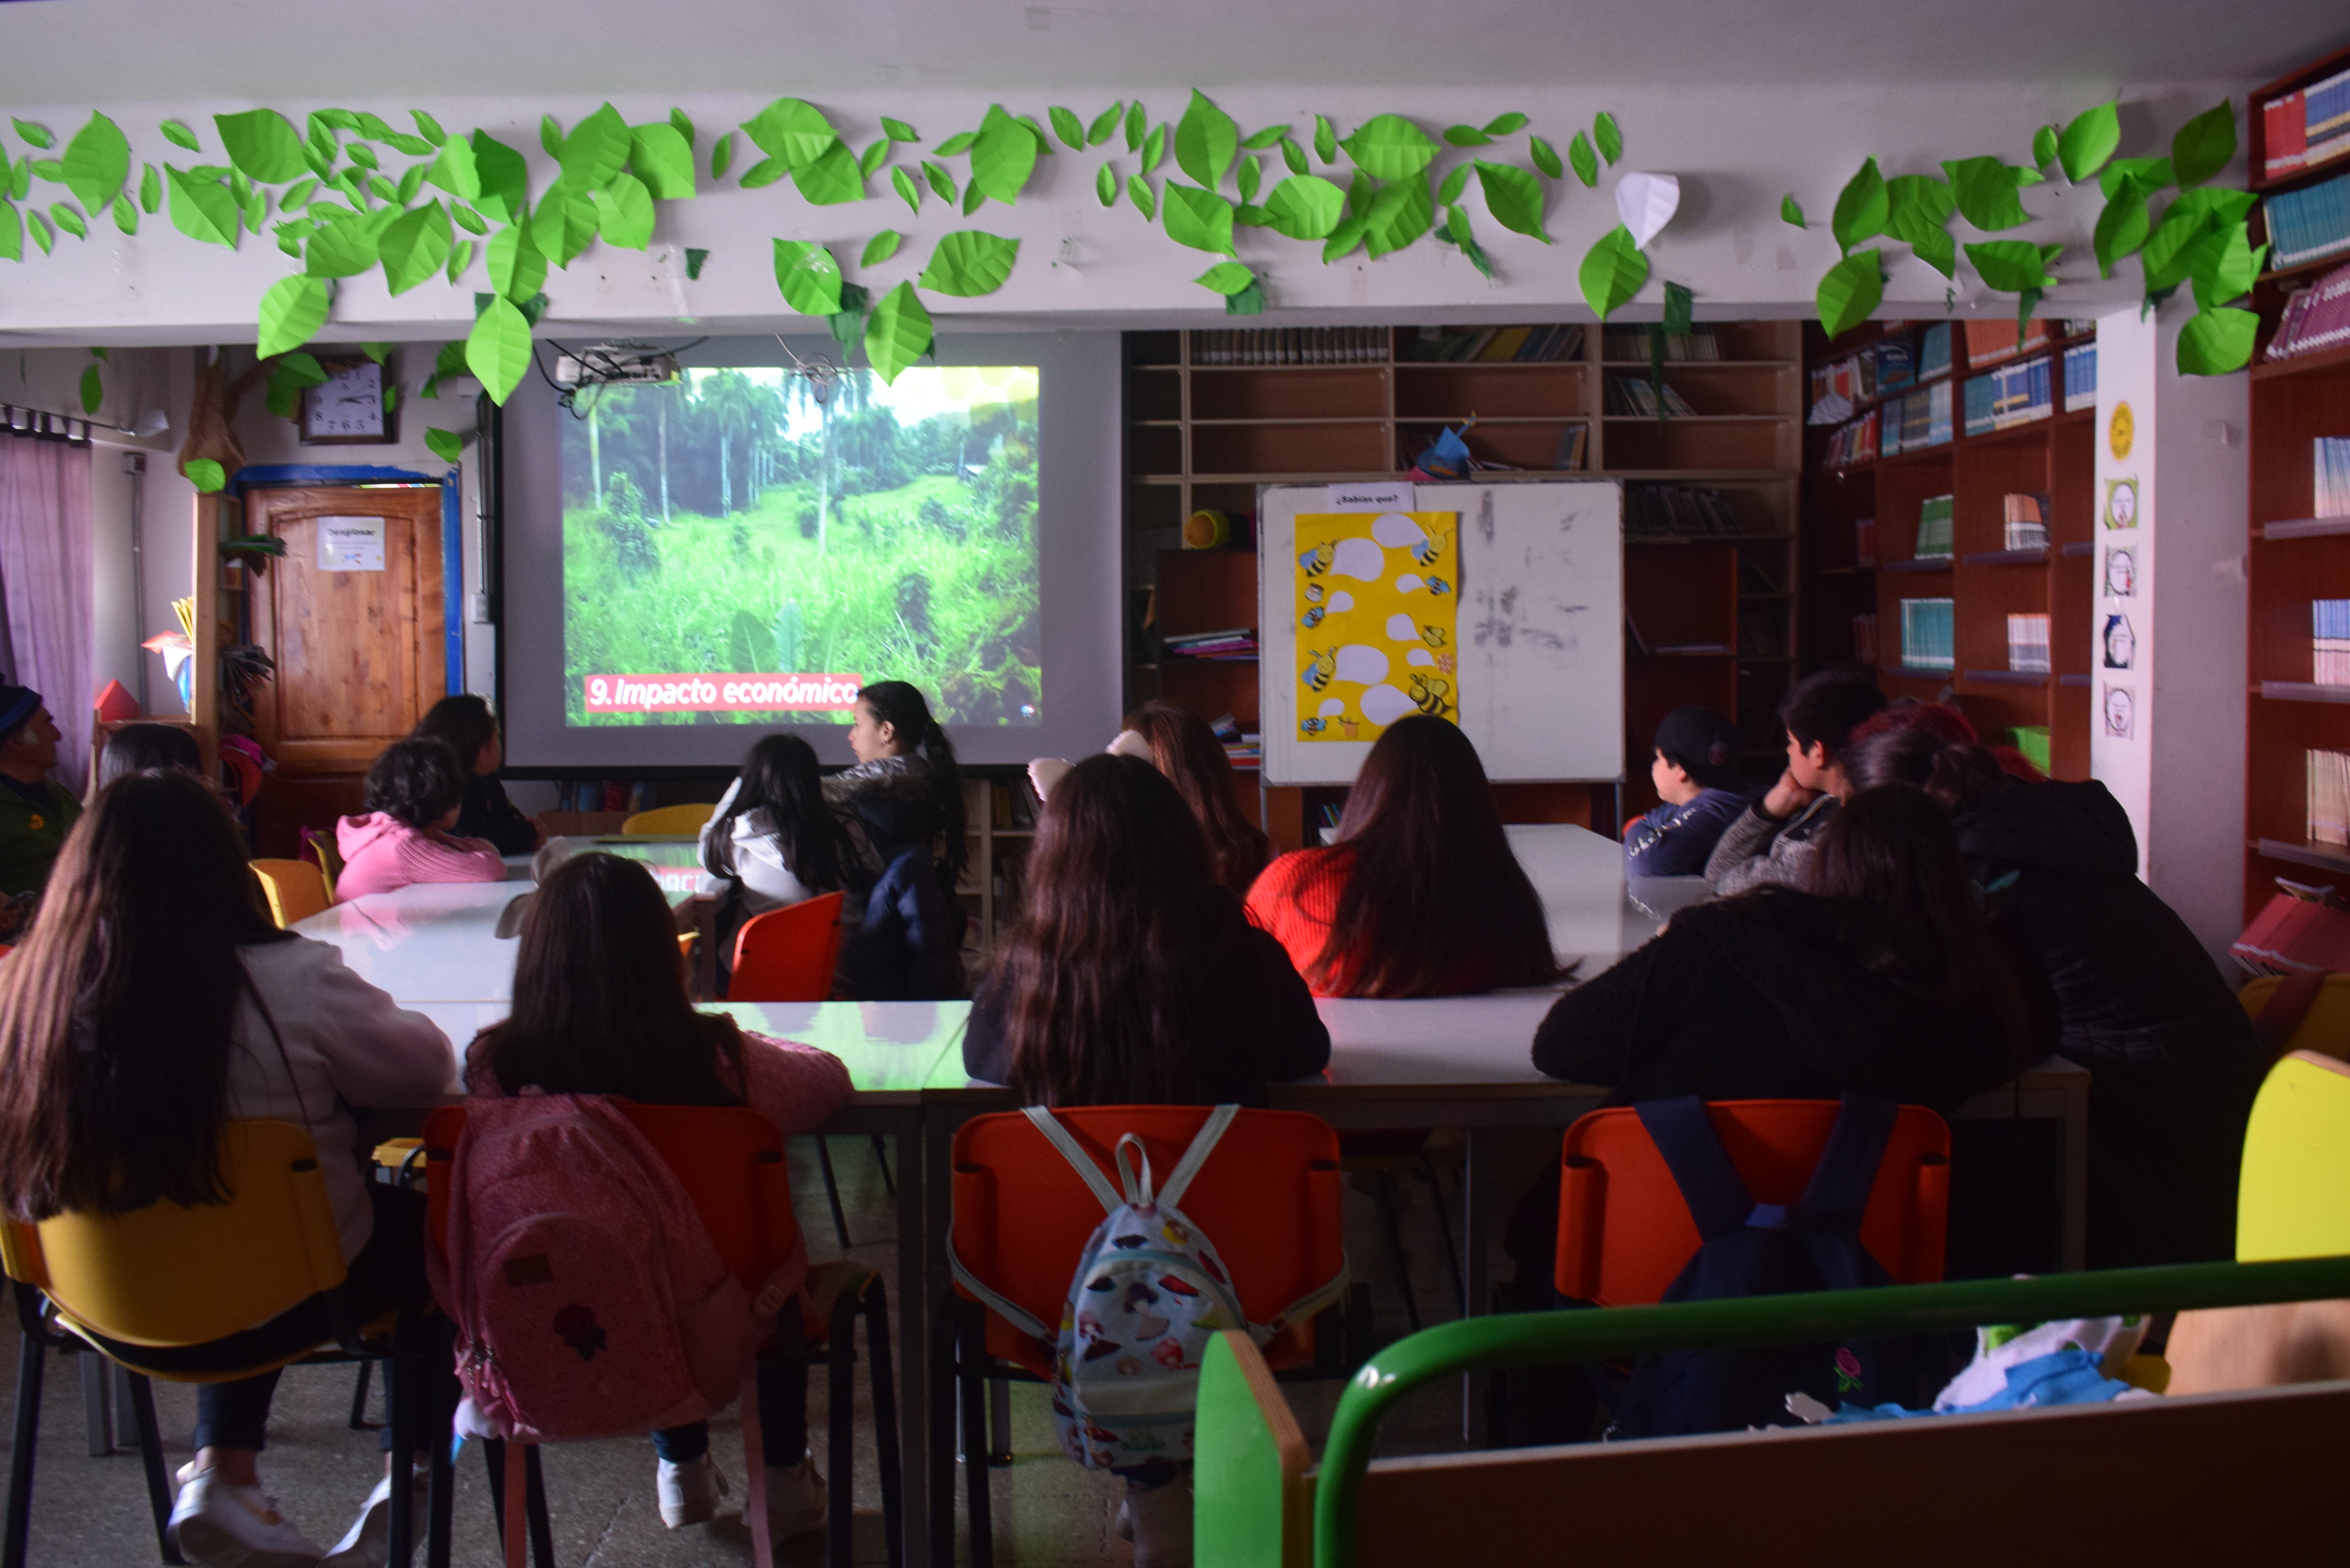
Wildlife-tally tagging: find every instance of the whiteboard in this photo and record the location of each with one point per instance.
(1541, 633)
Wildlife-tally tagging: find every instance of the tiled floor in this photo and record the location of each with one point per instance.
(91, 1513)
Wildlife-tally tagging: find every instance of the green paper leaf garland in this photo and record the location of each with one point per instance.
(2011, 266)
(940, 180)
(1514, 197)
(1389, 147)
(291, 314)
(1985, 191)
(446, 445)
(1260, 141)
(414, 246)
(2204, 145)
(497, 351)
(1226, 278)
(201, 209)
(1506, 124)
(1584, 161)
(869, 161)
(1306, 207)
(1154, 148)
(2217, 342)
(1137, 122)
(624, 213)
(1069, 127)
(1325, 138)
(1608, 137)
(1105, 125)
(1791, 211)
(1138, 191)
(1545, 157)
(910, 190)
(2044, 147)
(517, 267)
(39, 134)
(1199, 219)
(897, 331)
(2122, 227)
(881, 247)
(792, 131)
(1105, 185)
(662, 156)
(206, 475)
(1852, 288)
(1454, 184)
(1002, 156)
(696, 258)
(1400, 213)
(956, 145)
(808, 276)
(1249, 301)
(97, 161)
(1861, 208)
(722, 157)
(2092, 138)
(1206, 141)
(68, 219)
(126, 213)
(1613, 271)
(1466, 136)
(833, 177)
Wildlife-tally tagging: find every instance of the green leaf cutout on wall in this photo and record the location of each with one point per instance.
(201, 208)
(1456, 229)
(497, 351)
(1454, 184)
(1306, 207)
(1258, 142)
(973, 198)
(1206, 141)
(1344, 237)
(1584, 161)
(1852, 288)
(679, 121)
(722, 157)
(1791, 211)
(93, 390)
(1400, 213)
(1506, 124)
(2122, 227)
(897, 331)
(941, 183)
(262, 144)
(461, 256)
(12, 231)
(1985, 191)
(1293, 156)
(2204, 146)
(2225, 266)
(446, 445)
(662, 156)
(1199, 219)
(1105, 185)
(517, 267)
(68, 219)
(1249, 301)
(97, 161)
(414, 246)
(1154, 148)
(899, 130)
(206, 475)
(1918, 210)
(2044, 147)
(1680, 304)
(291, 314)
(2151, 174)
(39, 134)
(696, 258)
(832, 178)
(1002, 156)
(1247, 178)
(1609, 139)
(2217, 342)
(344, 248)
(1389, 147)
(881, 247)
(1861, 209)
(808, 276)
(2089, 142)
(869, 161)
(969, 263)
(1514, 197)
(1325, 138)
(595, 149)
(467, 219)
(150, 190)
(1137, 121)
(1138, 191)
(1613, 271)
(624, 213)
(2011, 266)
(43, 236)
(126, 213)
(1069, 127)
(1545, 157)
(175, 132)
(908, 188)
(1226, 278)
(1466, 136)
(1105, 125)
(792, 131)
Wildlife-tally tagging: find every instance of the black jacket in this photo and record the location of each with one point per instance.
(1758, 997)
(2139, 1003)
(906, 947)
(487, 812)
(1253, 1022)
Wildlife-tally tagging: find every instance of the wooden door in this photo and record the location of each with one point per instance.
(353, 614)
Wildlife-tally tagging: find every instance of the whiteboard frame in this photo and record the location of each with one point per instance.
(1538, 714)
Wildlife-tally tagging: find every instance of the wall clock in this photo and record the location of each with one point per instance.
(347, 409)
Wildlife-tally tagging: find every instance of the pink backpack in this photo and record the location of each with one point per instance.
(588, 1300)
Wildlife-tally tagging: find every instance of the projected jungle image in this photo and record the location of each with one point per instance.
(749, 545)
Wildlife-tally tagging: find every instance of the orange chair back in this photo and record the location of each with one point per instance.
(729, 1159)
(788, 954)
(1624, 1232)
(1269, 1198)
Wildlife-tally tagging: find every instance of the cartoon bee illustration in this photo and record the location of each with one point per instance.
(1318, 560)
(1318, 674)
(1432, 634)
(1314, 618)
(1432, 695)
(1439, 586)
(1311, 726)
(1428, 550)
(1313, 593)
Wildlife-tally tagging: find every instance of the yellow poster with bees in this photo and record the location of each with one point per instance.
(1376, 604)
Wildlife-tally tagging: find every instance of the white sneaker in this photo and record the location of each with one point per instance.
(368, 1542)
(797, 1499)
(690, 1491)
(224, 1526)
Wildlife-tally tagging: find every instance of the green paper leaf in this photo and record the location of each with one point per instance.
(1003, 157)
(869, 161)
(2204, 146)
(1514, 197)
(2166, 255)
(343, 248)
(39, 134)
(1325, 138)
(1585, 162)
(1610, 139)
(1344, 237)
(1251, 217)
(2044, 147)
(722, 157)
(1293, 156)
(1398, 214)
(973, 198)
(93, 390)
(262, 144)
(662, 156)
(940, 180)
(792, 131)
(969, 263)
(1306, 207)
(959, 142)
(1545, 157)
(1680, 304)
(1154, 148)
(411, 146)
(898, 129)
(503, 177)
(1613, 271)
(446, 445)
(1389, 147)
(832, 178)
(201, 209)
(2150, 174)
(595, 150)
(291, 314)
(2122, 227)
(2013, 265)
(467, 219)
(299, 370)
(1250, 176)
(763, 173)
(67, 218)
(1249, 301)
(52, 170)
(1199, 219)
(1454, 184)
(1360, 190)
(414, 246)
(1791, 211)
(881, 247)
(1466, 136)
(1917, 208)
(1456, 229)
(2216, 342)
(175, 132)
(455, 170)
(126, 213)
(1137, 121)
(12, 233)
(1226, 278)
(1260, 141)
(150, 190)
(696, 258)
(97, 161)
(564, 223)
(1852, 288)
(1206, 141)
(1105, 125)
(624, 213)
(1937, 250)
(1138, 191)
(1105, 185)
(381, 188)
(1861, 208)
(808, 276)
(847, 324)
(206, 475)
(897, 332)
(908, 188)
(1985, 188)
(410, 183)
(497, 351)
(2225, 266)
(1505, 124)
(20, 178)
(1044, 148)
(517, 267)
(1069, 127)
(2091, 140)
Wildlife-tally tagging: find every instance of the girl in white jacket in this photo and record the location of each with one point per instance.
(776, 839)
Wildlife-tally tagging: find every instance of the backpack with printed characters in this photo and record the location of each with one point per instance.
(1149, 1293)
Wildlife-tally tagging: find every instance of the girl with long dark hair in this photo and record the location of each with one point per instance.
(1184, 749)
(154, 1002)
(465, 723)
(600, 1008)
(775, 841)
(1421, 896)
(905, 786)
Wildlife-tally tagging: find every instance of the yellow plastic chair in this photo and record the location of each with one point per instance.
(168, 1277)
(671, 819)
(2292, 1199)
(296, 889)
(2324, 1024)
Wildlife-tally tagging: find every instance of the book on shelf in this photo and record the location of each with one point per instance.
(2314, 319)
(1864, 637)
(1631, 395)
(2080, 376)
(1936, 536)
(2329, 488)
(1863, 540)
(2027, 644)
(1573, 441)
(1291, 346)
(2309, 223)
(2303, 927)
(1977, 406)
(2329, 642)
(1656, 510)
(1934, 351)
(2329, 798)
(1497, 345)
(1928, 634)
(1896, 364)
(2021, 393)
(2027, 519)
(1239, 642)
(2302, 130)
(1996, 341)
(1622, 343)
(1854, 443)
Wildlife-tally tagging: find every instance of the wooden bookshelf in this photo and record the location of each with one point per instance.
(1985, 582)
(1203, 434)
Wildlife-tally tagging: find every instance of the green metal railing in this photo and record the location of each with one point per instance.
(1534, 1339)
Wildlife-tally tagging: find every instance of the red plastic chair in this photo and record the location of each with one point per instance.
(1269, 1198)
(1624, 1232)
(788, 954)
(731, 1162)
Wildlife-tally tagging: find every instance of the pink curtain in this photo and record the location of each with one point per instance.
(45, 569)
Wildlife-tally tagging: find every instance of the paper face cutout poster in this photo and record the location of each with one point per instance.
(1377, 600)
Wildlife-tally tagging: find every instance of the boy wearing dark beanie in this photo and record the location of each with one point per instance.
(1695, 770)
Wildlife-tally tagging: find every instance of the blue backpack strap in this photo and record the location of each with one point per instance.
(1717, 1198)
(1837, 1193)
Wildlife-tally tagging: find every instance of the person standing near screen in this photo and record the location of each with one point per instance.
(905, 787)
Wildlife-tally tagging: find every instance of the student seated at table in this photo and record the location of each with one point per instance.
(1695, 770)
(600, 1008)
(1178, 744)
(136, 747)
(1883, 978)
(773, 842)
(35, 811)
(905, 786)
(1421, 895)
(1773, 839)
(465, 721)
(1132, 977)
(154, 1002)
(413, 794)
(2138, 1000)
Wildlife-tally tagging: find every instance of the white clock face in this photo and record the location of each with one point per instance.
(349, 403)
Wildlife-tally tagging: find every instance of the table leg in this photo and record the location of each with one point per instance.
(2075, 1215)
(1477, 1203)
(914, 1306)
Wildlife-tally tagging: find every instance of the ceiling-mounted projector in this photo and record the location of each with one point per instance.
(616, 364)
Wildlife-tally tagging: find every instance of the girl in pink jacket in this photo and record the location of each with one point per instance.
(600, 1008)
(413, 793)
